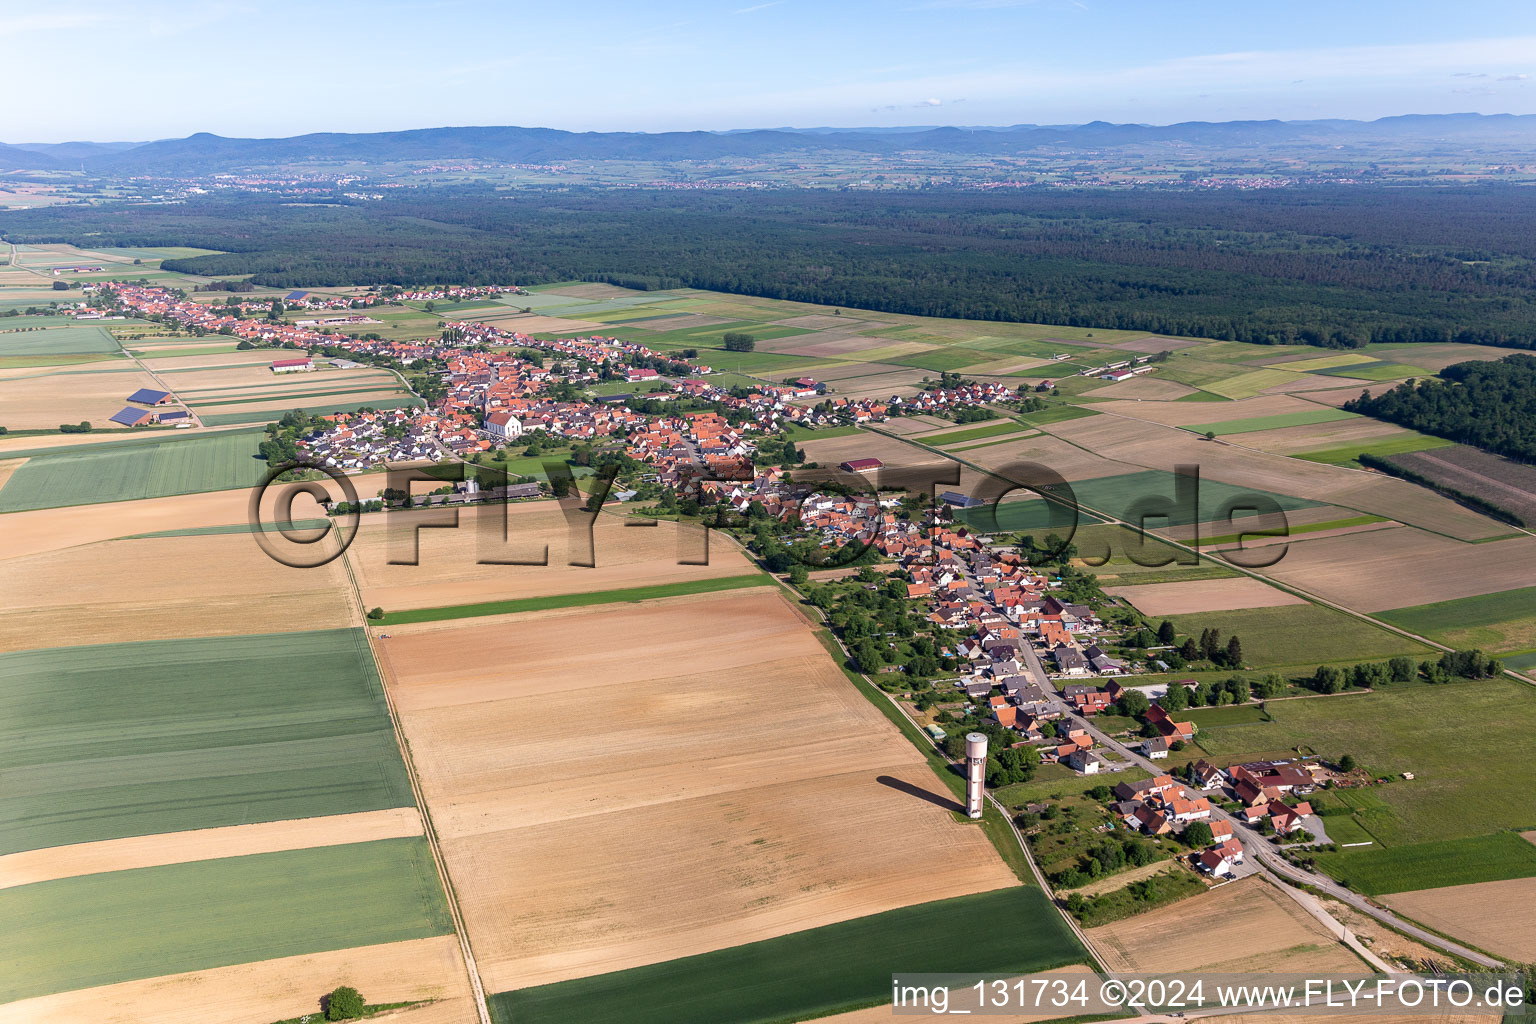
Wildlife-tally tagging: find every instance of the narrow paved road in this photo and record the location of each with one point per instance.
(1272, 864)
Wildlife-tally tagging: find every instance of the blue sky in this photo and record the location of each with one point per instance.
(160, 68)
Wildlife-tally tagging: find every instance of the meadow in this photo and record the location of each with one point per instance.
(56, 341)
(1117, 495)
(140, 738)
(818, 972)
(1293, 419)
(148, 922)
(172, 465)
(1297, 634)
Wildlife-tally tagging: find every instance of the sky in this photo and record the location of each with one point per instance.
(113, 71)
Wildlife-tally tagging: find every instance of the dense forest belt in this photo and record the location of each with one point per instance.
(1336, 266)
(1487, 405)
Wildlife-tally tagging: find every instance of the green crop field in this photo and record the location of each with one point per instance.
(1394, 444)
(974, 433)
(1249, 384)
(1117, 494)
(1297, 634)
(56, 341)
(1411, 727)
(798, 433)
(168, 735)
(1290, 419)
(101, 929)
(169, 465)
(817, 972)
(533, 604)
(1504, 621)
(1377, 870)
(1034, 515)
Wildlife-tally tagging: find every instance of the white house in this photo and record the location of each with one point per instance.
(504, 424)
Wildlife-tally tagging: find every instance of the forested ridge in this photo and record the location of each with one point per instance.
(1337, 267)
(1488, 405)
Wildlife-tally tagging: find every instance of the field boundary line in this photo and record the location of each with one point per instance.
(430, 829)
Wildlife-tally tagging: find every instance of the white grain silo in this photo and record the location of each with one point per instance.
(975, 772)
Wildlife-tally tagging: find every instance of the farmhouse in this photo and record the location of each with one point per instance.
(149, 396)
(174, 415)
(292, 365)
(131, 417)
(635, 374)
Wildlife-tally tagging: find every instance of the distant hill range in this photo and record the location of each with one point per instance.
(206, 153)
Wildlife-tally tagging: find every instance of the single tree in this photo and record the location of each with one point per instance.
(344, 1003)
(1198, 833)
(1165, 633)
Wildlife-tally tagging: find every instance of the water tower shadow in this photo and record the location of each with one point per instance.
(903, 786)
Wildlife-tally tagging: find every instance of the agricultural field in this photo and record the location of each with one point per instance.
(1502, 482)
(56, 341)
(1404, 568)
(175, 465)
(574, 859)
(534, 548)
(817, 972)
(428, 970)
(45, 399)
(146, 922)
(94, 593)
(1491, 915)
(1498, 623)
(1377, 871)
(132, 739)
(1245, 926)
(1240, 592)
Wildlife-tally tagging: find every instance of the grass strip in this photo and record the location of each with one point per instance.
(535, 604)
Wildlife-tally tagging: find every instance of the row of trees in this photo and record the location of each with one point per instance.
(1471, 664)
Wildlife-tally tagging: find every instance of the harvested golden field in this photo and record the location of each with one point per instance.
(1403, 567)
(216, 359)
(1154, 447)
(206, 844)
(730, 795)
(1191, 596)
(260, 993)
(161, 588)
(449, 572)
(1142, 389)
(906, 426)
(43, 401)
(51, 529)
(1495, 916)
(212, 407)
(1243, 926)
(223, 389)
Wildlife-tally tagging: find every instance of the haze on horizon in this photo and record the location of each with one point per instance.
(167, 68)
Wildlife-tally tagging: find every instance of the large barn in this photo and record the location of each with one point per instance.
(131, 417)
(149, 396)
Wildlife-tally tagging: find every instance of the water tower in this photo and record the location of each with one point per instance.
(975, 772)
